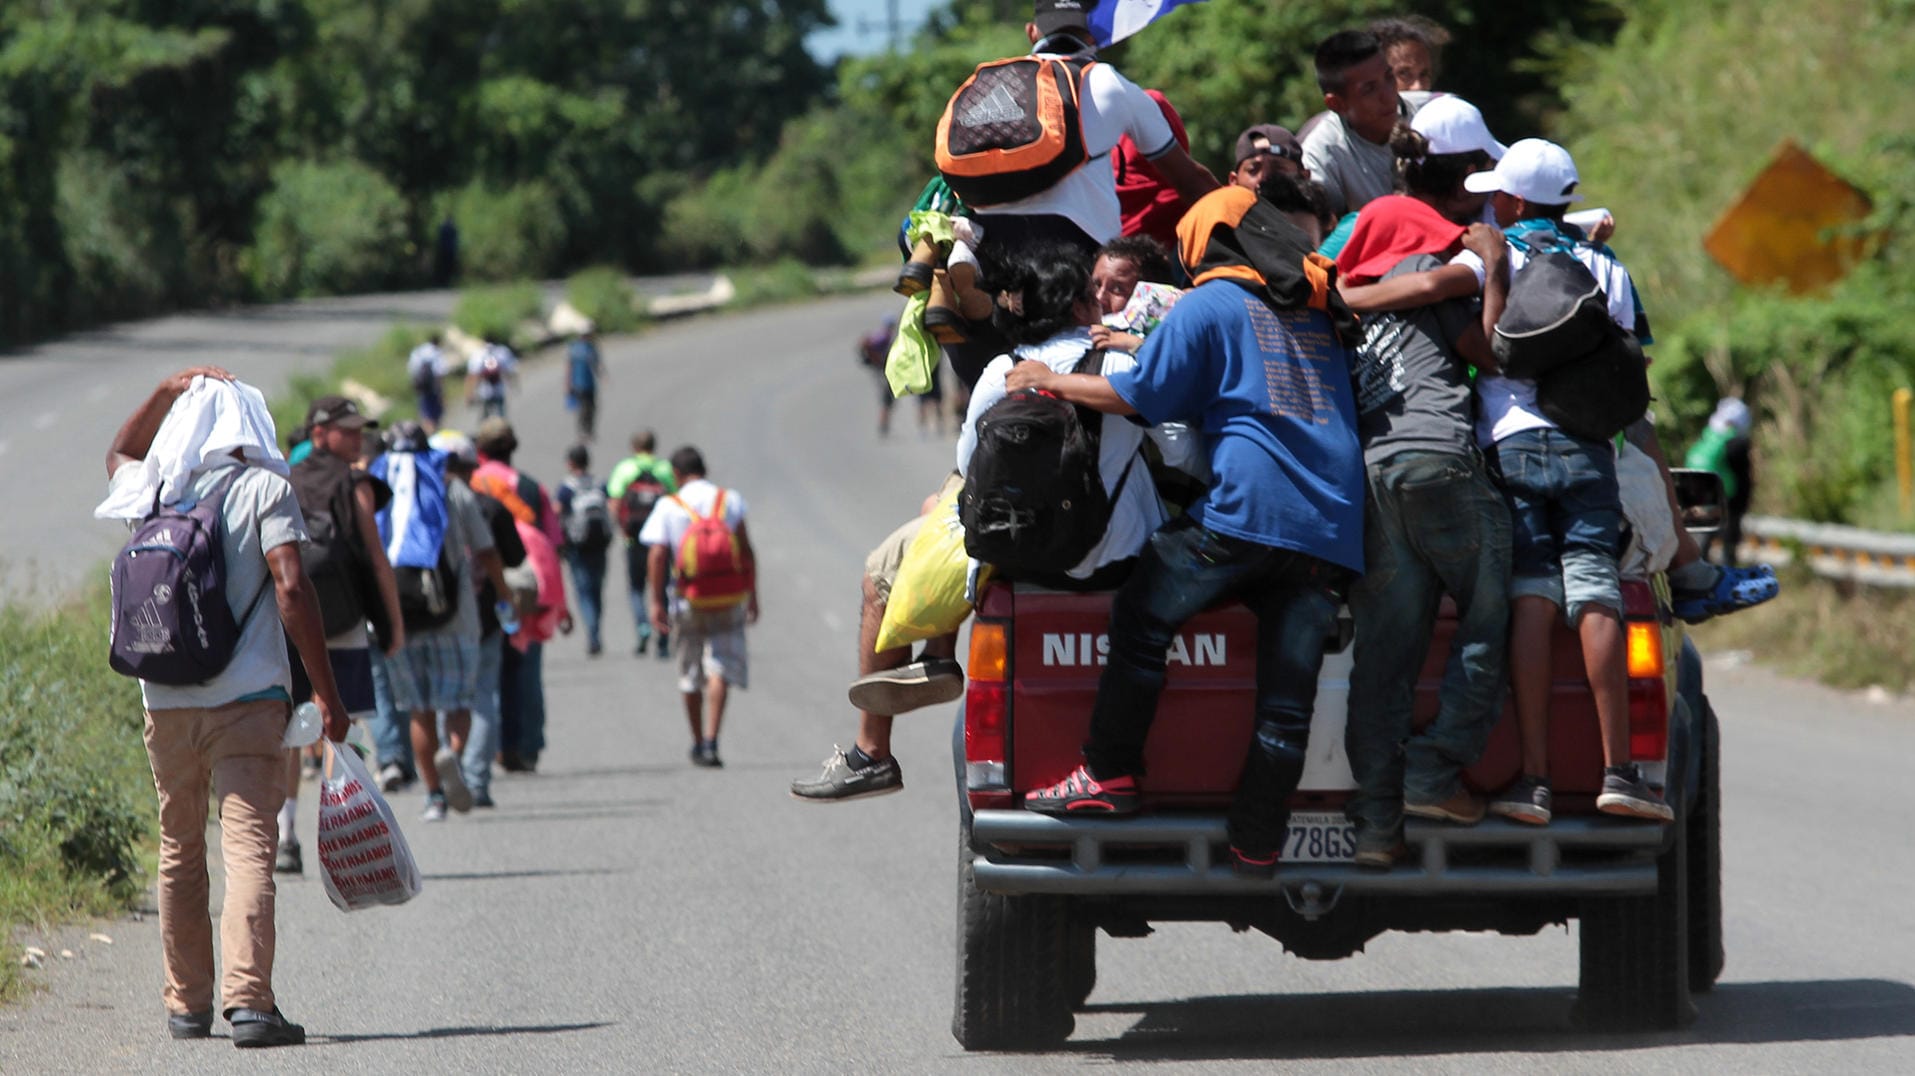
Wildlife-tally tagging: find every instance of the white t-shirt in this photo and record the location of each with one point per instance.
(260, 514)
(1111, 106)
(1509, 403)
(1138, 513)
(668, 523)
(427, 356)
(508, 366)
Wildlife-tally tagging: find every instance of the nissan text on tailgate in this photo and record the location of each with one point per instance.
(1035, 891)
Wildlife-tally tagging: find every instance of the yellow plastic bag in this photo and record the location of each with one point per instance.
(928, 598)
(914, 354)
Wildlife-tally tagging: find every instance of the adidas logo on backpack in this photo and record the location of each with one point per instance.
(999, 107)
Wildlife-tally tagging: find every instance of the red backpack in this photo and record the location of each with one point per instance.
(710, 564)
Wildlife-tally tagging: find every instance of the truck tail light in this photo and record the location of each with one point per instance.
(986, 717)
(1648, 693)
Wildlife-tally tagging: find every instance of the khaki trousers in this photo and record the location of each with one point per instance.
(234, 752)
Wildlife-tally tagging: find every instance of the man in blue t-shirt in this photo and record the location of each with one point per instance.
(584, 368)
(1249, 358)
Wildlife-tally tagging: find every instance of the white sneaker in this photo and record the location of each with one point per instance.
(391, 778)
(452, 781)
(435, 810)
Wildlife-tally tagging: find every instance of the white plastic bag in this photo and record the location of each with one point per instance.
(362, 855)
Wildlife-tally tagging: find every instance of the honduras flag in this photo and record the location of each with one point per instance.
(413, 524)
(1112, 21)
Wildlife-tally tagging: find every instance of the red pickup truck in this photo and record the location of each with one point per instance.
(1035, 891)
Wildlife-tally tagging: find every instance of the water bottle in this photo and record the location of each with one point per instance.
(508, 615)
(304, 728)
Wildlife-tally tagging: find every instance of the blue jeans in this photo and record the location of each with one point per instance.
(1566, 519)
(482, 746)
(1185, 568)
(522, 701)
(588, 578)
(391, 730)
(1433, 524)
(635, 567)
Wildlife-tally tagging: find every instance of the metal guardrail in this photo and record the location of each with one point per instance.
(1834, 551)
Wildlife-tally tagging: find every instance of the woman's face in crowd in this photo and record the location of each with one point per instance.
(1112, 280)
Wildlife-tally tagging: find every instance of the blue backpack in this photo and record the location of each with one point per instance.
(171, 622)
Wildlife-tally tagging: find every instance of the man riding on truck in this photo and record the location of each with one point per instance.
(1256, 357)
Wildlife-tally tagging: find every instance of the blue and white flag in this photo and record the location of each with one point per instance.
(413, 524)
(1112, 21)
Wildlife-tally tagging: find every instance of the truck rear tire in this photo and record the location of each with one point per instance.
(1013, 989)
(1080, 961)
(1705, 861)
(1635, 953)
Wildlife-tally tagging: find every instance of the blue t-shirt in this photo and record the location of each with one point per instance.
(1270, 392)
(584, 358)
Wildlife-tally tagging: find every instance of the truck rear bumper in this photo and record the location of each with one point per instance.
(1185, 854)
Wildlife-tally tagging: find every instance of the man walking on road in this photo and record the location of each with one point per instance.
(222, 737)
(349, 572)
(586, 521)
(635, 487)
(584, 369)
(697, 539)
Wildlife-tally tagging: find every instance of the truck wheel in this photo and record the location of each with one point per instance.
(1705, 861)
(1635, 953)
(1012, 989)
(1080, 962)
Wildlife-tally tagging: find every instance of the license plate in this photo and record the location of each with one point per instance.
(1319, 837)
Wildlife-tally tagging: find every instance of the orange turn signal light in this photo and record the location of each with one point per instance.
(989, 659)
(1645, 650)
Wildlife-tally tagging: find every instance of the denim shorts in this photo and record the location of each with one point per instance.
(1565, 519)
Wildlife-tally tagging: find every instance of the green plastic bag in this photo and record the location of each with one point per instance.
(928, 598)
(914, 354)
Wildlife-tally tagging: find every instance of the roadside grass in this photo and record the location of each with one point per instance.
(77, 810)
(1843, 635)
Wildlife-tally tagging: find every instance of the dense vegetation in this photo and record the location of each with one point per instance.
(158, 155)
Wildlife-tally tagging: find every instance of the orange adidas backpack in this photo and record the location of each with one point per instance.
(710, 565)
(1013, 129)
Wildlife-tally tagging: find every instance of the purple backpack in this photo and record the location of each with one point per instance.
(171, 622)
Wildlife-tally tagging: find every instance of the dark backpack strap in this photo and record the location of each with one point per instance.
(1091, 362)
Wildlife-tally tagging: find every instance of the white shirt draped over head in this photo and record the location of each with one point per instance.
(208, 422)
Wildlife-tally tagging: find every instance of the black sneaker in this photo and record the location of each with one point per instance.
(1624, 793)
(930, 682)
(190, 1025)
(843, 781)
(1525, 801)
(288, 861)
(252, 1029)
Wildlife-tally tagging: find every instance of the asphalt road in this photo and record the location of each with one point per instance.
(624, 912)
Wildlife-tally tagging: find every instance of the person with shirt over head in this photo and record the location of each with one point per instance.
(1256, 358)
(1435, 522)
(203, 434)
(1566, 509)
(354, 581)
(636, 485)
(700, 548)
(1081, 208)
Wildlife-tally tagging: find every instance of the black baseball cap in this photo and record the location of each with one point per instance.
(1268, 138)
(1056, 16)
(338, 411)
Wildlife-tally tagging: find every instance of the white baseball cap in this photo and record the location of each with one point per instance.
(1453, 125)
(1534, 170)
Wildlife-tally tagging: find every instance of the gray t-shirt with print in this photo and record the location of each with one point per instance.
(260, 515)
(1354, 171)
(1413, 391)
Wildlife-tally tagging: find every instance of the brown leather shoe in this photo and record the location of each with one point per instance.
(1465, 808)
(941, 318)
(916, 274)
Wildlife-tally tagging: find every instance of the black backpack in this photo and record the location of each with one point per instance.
(1591, 378)
(1033, 500)
(335, 559)
(1013, 130)
(428, 597)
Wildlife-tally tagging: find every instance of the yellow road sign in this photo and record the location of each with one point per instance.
(1779, 232)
